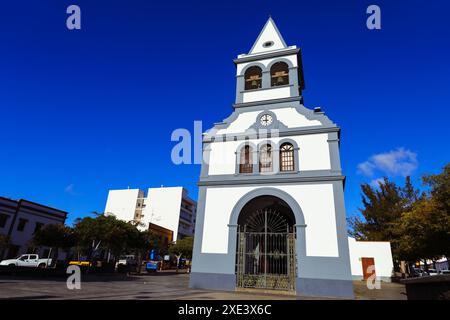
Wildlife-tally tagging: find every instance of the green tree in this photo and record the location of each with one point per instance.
(417, 227)
(416, 223)
(381, 214)
(88, 234)
(439, 185)
(141, 243)
(105, 232)
(4, 244)
(55, 236)
(182, 248)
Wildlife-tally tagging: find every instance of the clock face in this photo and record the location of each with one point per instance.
(266, 120)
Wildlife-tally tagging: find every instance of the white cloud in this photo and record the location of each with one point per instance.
(375, 183)
(398, 162)
(366, 168)
(70, 189)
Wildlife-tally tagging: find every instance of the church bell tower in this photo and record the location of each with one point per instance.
(271, 213)
(280, 79)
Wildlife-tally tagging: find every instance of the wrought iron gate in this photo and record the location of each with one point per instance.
(266, 255)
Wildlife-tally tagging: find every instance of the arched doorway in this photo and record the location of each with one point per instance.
(266, 245)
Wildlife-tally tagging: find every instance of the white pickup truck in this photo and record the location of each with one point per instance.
(27, 260)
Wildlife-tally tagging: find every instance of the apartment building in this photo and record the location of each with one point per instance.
(167, 207)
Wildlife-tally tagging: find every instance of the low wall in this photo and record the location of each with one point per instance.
(428, 288)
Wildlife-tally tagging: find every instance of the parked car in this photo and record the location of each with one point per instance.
(81, 263)
(127, 260)
(433, 272)
(152, 266)
(27, 260)
(127, 263)
(445, 271)
(416, 272)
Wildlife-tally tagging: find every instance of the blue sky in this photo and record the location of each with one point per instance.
(90, 110)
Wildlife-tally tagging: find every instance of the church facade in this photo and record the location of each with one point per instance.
(271, 212)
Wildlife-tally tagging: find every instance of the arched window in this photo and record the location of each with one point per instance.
(287, 157)
(246, 160)
(253, 78)
(279, 74)
(265, 158)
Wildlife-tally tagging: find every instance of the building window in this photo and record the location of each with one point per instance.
(37, 227)
(3, 219)
(246, 160)
(265, 158)
(287, 157)
(185, 216)
(279, 74)
(186, 206)
(22, 224)
(253, 78)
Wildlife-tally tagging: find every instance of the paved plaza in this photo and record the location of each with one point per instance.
(155, 286)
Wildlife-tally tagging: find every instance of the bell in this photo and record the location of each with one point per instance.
(280, 80)
(254, 83)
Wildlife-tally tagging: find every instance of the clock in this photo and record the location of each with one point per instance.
(266, 120)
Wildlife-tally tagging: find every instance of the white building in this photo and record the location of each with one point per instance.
(377, 254)
(170, 208)
(271, 211)
(20, 219)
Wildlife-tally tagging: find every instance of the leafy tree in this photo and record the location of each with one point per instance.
(4, 244)
(439, 185)
(411, 194)
(55, 236)
(88, 234)
(417, 227)
(140, 243)
(115, 236)
(182, 248)
(416, 223)
(104, 232)
(381, 214)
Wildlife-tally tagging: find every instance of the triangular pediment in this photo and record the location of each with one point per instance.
(269, 39)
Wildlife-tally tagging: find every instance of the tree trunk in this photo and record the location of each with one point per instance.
(425, 265)
(403, 269)
(49, 256)
(139, 260)
(178, 261)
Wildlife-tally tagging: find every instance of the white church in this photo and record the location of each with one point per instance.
(271, 212)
